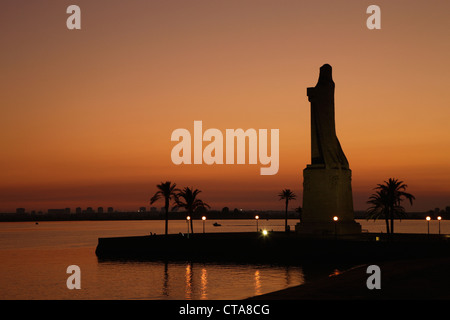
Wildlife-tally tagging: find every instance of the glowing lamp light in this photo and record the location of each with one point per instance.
(439, 219)
(264, 232)
(335, 218)
(256, 217)
(428, 223)
(187, 222)
(204, 219)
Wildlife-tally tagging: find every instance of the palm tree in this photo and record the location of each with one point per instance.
(187, 199)
(166, 190)
(378, 208)
(386, 201)
(287, 195)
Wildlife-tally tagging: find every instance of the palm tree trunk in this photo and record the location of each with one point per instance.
(167, 216)
(392, 221)
(192, 225)
(286, 217)
(387, 223)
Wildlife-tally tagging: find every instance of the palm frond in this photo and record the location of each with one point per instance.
(187, 199)
(287, 194)
(387, 199)
(156, 197)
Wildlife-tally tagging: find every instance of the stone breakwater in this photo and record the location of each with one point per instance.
(274, 247)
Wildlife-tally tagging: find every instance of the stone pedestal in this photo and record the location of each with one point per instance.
(327, 193)
(328, 228)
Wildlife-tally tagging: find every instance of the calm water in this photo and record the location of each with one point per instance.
(34, 259)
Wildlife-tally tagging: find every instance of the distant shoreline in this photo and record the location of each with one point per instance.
(118, 216)
(97, 216)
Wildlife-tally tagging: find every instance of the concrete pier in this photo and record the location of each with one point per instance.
(275, 247)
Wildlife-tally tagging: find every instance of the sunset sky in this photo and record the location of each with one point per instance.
(86, 115)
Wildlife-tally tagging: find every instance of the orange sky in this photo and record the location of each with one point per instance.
(86, 115)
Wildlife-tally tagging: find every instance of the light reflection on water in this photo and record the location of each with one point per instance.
(34, 259)
(195, 280)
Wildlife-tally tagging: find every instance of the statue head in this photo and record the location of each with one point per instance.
(325, 75)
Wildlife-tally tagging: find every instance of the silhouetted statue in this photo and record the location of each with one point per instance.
(327, 190)
(325, 147)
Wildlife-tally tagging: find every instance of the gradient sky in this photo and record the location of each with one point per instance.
(86, 115)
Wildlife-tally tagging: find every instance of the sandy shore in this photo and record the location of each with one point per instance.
(406, 279)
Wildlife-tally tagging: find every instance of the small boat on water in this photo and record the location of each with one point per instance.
(215, 224)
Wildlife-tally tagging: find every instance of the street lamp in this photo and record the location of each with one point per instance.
(439, 219)
(428, 223)
(187, 221)
(257, 218)
(335, 218)
(204, 219)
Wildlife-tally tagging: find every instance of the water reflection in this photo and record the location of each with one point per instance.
(257, 283)
(223, 281)
(188, 281)
(204, 284)
(335, 272)
(24, 247)
(165, 289)
(287, 276)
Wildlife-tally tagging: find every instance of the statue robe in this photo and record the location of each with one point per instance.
(326, 150)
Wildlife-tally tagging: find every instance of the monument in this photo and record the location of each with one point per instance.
(327, 190)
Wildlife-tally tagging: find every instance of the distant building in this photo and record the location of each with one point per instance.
(110, 209)
(153, 209)
(142, 209)
(58, 211)
(89, 210)
(53, 211)
(78, 210)
(100, 209)
(20, 210)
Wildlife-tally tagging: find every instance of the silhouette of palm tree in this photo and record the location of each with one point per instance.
(187, 199)
(386, 202)
(287, 195)
(166, 190)
(379, 207)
